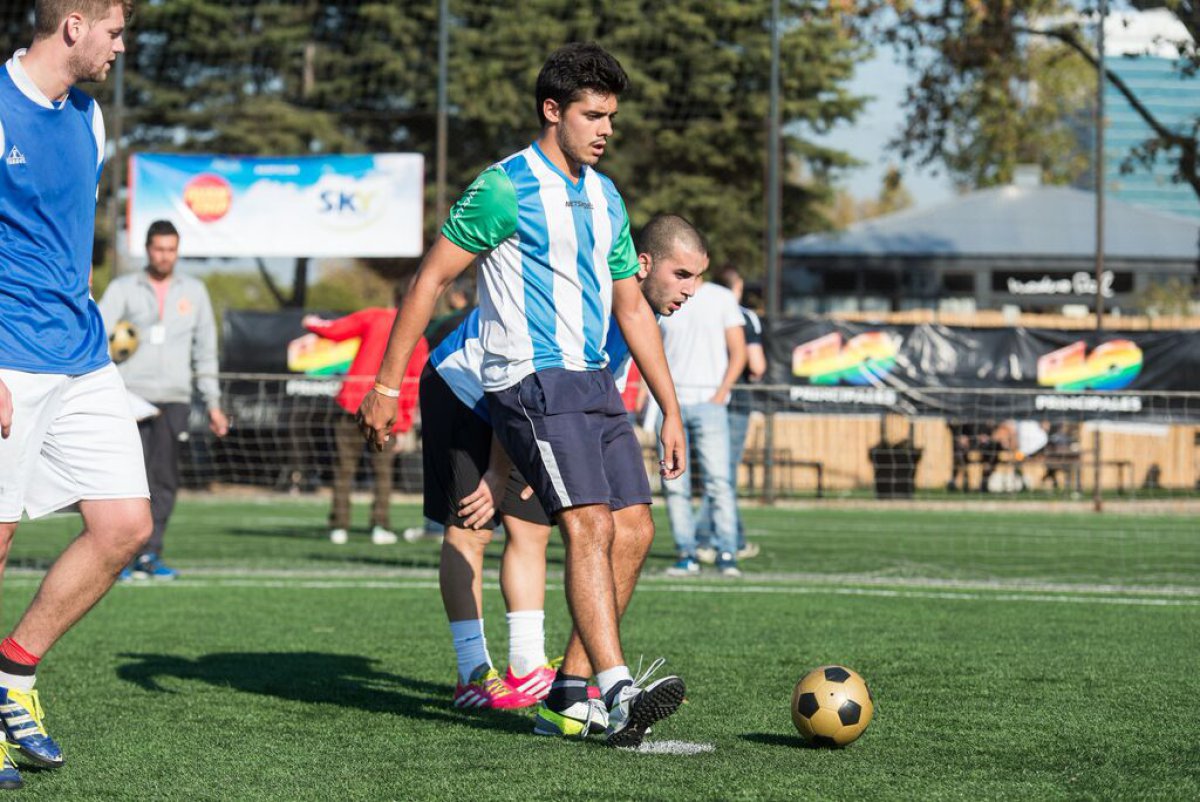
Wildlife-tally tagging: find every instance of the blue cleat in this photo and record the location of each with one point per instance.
(22, 715)
(10, 778)
(149, 566)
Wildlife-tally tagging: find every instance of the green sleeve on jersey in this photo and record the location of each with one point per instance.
(622, 259)
(485, 215)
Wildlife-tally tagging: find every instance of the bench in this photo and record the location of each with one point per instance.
(782, 464)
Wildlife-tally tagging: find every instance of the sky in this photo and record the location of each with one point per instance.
(884, 81)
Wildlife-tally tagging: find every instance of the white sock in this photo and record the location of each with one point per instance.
(470, 646)
(609, 677)
(19, 682)
(526, 641)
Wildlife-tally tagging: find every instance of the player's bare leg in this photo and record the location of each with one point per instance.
(114, 531)
(631, 545)
(461, 572)
(523, 566)
(523, 583)
(588, 532)
(461, 580)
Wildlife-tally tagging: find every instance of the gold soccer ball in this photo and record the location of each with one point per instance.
(831, 706)
(123, 341)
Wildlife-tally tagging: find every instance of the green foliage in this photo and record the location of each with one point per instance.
(1005, 82)
(237, 290)
(275, 77)
(348, 289)
(1174, 296)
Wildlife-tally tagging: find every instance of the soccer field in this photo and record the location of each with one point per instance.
(1012, 655)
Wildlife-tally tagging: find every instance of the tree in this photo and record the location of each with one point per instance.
(999, 82)
(269, 76)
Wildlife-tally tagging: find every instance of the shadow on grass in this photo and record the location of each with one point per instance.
(775, 739)
(314, 677)
(287, 531)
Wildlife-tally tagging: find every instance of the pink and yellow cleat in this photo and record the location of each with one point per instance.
(537, 682)
(485, 689)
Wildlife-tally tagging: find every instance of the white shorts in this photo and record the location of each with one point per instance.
(73, 438)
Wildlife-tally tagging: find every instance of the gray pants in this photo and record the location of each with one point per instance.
(160, 448)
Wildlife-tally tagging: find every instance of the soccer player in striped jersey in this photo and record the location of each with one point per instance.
(468, 484)
(555, 259)
(67, 435)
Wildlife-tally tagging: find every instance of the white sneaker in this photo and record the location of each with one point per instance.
(636, 708)
(730, 571)
(383, 537)
(748, 551)
(706, 554)
(338, 536)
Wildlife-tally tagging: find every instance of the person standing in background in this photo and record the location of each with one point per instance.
(741, 403)
(372, 326)
(177, 345)
(706, 350)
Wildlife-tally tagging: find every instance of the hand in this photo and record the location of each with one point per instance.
(720, 396)
(6, 411)
(308, 321)
(217, 422)
(674, 447)
(480, 507)
(376, 417)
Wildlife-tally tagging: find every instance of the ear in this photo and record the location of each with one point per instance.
(551, 110)
(644, 263)
(74, 27)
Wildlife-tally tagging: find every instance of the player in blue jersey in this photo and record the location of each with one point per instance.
(555, 259)
(67, 436)
(468, 485)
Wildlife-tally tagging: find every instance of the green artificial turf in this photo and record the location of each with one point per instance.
(1011, 656)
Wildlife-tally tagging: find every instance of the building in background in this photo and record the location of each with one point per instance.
(1140, 51)
(1026, 246)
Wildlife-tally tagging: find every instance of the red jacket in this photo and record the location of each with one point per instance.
(372, 326)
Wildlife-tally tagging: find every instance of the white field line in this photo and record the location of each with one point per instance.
(1073, 596)
(360, 575)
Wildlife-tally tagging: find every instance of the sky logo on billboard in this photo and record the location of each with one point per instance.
(317, 356)
(862, 361)
(209, 196)
(1111, 366)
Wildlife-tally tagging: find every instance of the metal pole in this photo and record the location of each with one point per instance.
(772, 273)
(117, 168)
(773, 170)
(443, 77)
(1097, 499)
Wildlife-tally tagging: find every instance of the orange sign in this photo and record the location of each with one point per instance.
(208, 196)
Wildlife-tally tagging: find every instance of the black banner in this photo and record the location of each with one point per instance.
(834, 366)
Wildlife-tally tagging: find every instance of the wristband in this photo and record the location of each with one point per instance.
(383, 389)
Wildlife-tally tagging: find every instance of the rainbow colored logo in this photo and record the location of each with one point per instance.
(317, 356)
(863, 360)
(1111, 366)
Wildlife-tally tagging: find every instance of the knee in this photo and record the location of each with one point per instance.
(466, 540)
(6, 537)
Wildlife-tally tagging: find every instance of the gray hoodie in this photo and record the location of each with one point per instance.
(162, 372)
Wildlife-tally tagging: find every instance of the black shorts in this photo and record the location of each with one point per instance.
(455, 446)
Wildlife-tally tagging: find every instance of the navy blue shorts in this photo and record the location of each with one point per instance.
(568, 435)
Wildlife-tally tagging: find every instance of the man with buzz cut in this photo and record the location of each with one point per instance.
(555, 259)
(67, 435)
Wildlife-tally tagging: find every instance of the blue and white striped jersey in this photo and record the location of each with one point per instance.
(551, 249)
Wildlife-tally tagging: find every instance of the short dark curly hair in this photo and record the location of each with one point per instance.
(577, 67)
